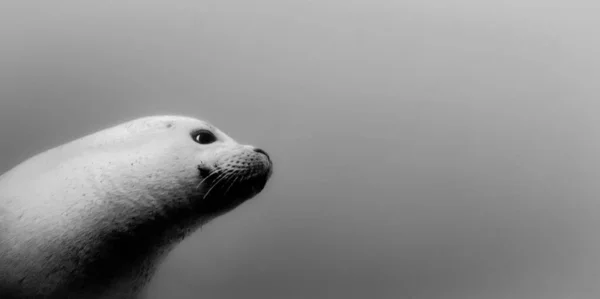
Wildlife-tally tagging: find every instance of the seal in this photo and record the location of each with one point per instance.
(94, 217)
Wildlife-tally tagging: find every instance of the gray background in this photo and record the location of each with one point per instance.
(423, 149)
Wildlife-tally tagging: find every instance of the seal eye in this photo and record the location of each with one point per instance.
(204, 137)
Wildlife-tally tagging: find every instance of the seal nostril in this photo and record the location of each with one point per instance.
(258, 150)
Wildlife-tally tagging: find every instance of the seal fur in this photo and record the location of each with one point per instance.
(92, 218)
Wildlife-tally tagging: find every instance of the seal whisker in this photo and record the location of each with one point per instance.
(224, 178)
(232, 175)
(218, 180)
(208, 176)
(231, 184)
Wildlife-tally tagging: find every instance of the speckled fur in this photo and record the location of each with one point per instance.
(92, 218)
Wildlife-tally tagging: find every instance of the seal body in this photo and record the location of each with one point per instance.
(92, 218)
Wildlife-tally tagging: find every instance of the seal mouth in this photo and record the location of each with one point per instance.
(235, 179)
(229, 184)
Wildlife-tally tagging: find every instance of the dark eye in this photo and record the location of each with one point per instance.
(204, 137)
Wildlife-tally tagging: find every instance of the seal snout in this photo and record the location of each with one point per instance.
(260, 151)
(239, 173)
(266, 159)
